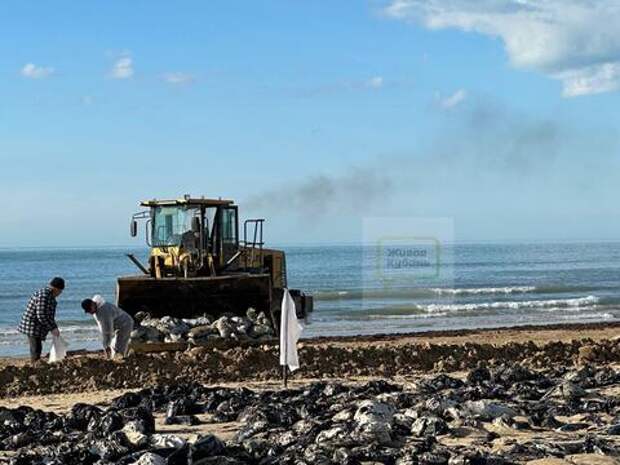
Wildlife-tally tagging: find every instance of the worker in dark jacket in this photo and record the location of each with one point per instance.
(40, 317)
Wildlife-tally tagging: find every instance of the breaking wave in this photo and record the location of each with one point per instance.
(588, 301)
(588, 316)
(581, 305)
(399, 293)
(484, 290)
(75, 330)
(410, 316)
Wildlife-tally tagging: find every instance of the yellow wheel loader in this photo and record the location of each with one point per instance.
(200, 262)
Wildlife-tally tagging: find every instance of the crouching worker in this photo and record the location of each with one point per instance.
(115, 325)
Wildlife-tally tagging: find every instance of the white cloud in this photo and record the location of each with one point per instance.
(573, 41)
(591, 80)
(178, 78)
(32, 71)
(122, 68)
(375, 82)
(453, 100)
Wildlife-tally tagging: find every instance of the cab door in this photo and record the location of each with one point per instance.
(228, 233)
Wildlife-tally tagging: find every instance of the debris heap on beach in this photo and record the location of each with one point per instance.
(439, 420)
(255, 326)
(209, 365)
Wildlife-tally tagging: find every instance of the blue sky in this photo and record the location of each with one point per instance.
(312, 114)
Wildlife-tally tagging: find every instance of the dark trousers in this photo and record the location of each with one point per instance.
(36, 346)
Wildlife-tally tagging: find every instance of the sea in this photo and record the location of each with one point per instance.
(359, 290)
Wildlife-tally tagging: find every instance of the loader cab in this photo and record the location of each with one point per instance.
(190, 237)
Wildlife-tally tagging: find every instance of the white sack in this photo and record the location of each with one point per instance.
(290, 331)
(59, 349)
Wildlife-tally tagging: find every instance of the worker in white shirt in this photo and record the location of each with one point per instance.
(115, 325)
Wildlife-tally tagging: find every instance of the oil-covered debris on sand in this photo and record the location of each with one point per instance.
(495, 415)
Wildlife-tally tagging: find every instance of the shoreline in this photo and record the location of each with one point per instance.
(553, 330)
(444, 333)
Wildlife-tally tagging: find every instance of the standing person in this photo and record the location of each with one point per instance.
(40, 317)
(115, 325)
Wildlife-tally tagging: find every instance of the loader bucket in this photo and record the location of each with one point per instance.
(193, 297)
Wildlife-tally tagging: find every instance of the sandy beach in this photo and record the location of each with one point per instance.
(557, 353)
(337, 358)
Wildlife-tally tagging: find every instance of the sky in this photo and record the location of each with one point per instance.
(501, 116)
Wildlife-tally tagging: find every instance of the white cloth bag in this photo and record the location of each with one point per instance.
(290, 331)
(59, 349)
